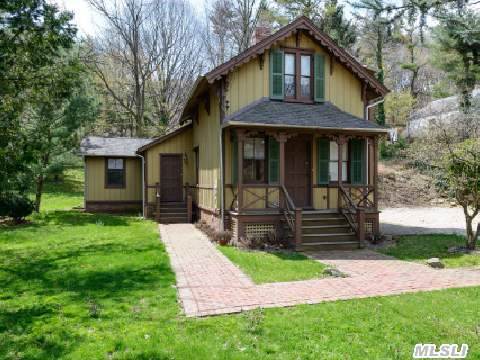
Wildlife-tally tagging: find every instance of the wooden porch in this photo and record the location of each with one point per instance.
(332, 214)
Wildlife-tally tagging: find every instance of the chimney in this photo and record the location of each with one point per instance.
(261, 32)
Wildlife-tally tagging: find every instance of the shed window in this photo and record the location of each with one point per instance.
(115, 173)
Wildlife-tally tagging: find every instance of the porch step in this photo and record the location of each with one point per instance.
(332, 237)
(326, 229)
(327, 246)
(173, 213)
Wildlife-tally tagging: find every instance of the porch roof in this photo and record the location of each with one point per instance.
(266, 112)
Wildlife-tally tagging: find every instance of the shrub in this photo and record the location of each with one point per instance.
(15, 206)
(390, 151)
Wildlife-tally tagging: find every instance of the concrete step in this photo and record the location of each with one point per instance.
(326, 229)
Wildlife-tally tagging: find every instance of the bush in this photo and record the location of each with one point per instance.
(15, 206)
(390, 151)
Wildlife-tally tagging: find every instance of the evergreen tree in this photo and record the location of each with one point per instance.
(337, 26)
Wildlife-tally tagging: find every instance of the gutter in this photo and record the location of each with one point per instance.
(375, 103)
(143, 184)
(241, 123)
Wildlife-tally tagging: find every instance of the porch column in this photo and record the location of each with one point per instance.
(240, 141)
(375, 171)
(340, 143)
(282, 139)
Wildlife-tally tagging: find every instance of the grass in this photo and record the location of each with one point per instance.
(423, 247)
(81, 286)
(265, 267)
(66, 194)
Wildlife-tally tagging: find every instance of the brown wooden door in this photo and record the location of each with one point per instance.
(171, 177)
(298, 170)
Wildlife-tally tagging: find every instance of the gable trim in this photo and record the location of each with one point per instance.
(301, 23)
(164, 138)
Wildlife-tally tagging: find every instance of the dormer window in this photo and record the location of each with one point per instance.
(297, 75)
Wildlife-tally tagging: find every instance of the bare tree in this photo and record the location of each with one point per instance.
(146, 57)
(246, 17)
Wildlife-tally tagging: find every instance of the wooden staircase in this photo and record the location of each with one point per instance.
(173, 213)
(326, 231)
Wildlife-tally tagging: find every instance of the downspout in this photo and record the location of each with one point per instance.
(222, 185)
(368, 107)
(143, 184)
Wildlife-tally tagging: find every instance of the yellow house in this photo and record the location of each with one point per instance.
(276, 141)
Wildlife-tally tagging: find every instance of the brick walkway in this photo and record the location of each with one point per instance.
(209, 284)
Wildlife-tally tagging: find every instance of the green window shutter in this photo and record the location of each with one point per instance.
(276, 74)
(273, 160)
(323, 159)
(357, 161)
(319, 77)
(234, 160)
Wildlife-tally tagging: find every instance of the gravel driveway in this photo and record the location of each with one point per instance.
(433, 220)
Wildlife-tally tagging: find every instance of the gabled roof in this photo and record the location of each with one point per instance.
(111, 146)
(325, 116)
(164, 137)
(301, 23)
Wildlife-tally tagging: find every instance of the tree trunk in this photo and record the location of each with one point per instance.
(471, 236)
(38, 192)
(380, 76)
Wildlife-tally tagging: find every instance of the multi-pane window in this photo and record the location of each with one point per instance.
(290, 81)
(298, 86)
(254, 160)
(115, 173)
(333, 165)
(305, 78)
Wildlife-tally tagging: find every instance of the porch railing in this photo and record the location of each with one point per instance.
(292, 215)
(353, 212)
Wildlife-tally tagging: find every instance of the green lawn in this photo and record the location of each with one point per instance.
(65, 194)
(423, 247)
(81, 286)
(263, 267)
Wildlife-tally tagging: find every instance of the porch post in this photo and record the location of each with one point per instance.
(240, 140)
(282, 139)
(340, 142)
(375, 172)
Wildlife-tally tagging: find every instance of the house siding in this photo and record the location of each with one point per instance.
(98, 197)
(178, 144)
(249, 82)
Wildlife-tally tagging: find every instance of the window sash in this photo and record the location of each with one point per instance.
(115, 173)
(254, 160)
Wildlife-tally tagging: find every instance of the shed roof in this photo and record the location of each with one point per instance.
(111, 146)
(288, 114)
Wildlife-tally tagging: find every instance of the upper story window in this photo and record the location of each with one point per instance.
(297, 75)
(115, 173)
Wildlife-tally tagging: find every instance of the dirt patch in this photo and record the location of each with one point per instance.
(402, 186)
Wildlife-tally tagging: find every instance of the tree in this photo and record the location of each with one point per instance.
(463, 173)
(33, 33)
(147, 58)
(398, 106)
(334, 23)
(56, 113)
(458, 51)
(378, 20)
(291, 9)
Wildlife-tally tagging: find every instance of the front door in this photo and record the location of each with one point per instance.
(171, 177)
(298, 169)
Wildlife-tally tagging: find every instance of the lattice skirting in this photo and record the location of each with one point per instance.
(259, 230)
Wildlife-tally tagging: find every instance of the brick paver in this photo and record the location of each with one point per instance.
(209, 284)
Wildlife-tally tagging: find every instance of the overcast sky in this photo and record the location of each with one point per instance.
(87, 20)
